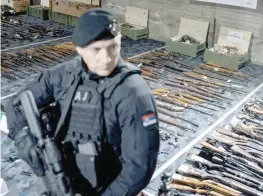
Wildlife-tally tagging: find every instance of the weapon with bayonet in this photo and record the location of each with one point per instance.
(58, 183)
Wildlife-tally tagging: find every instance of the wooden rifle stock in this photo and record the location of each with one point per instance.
(192, 182)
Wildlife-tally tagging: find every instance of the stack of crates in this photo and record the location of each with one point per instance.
(38, 11)
(20, 6)
(59, 11)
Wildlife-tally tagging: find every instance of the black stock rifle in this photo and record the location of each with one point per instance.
(47, 149)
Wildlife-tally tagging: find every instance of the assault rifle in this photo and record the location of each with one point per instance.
(54, 181)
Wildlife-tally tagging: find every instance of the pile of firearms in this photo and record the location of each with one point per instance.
(7, 10)
(228, 163)
(22, 64)
(186, 87)
(14, 29)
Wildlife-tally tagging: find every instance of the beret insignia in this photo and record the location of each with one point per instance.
(114, 27)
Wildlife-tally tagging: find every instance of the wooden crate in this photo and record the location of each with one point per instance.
(71, 8)
(17, 5)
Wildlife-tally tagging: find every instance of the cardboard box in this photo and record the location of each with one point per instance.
(17, 5)
(193, 28)
(71, 8)
(233, 38)
(138, 19)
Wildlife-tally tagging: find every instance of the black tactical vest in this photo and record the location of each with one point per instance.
(86, 127)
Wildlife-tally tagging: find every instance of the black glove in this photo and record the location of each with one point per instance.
(26, 146)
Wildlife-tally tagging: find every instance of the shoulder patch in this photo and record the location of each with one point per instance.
(149, 119)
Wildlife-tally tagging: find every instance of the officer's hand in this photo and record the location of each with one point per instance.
(25, 143)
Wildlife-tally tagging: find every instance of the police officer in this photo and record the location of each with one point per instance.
(108, 124)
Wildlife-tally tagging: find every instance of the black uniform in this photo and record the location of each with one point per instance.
(110, 134)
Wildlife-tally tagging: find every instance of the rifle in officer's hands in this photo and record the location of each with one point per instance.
(54, 180)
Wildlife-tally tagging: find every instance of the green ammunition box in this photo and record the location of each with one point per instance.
(192, 50)
(38, 11)
(193, 28)
(72, 20)
(231, 62)
(232, 38)
(138, 19)
(58, 17)
(135, 33)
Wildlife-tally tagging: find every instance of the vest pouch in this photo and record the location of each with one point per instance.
(86, 159)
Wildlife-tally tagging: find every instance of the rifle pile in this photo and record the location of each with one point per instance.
(15, 29)
(229, 162)
(188, 88)
(7, 10)
(20, 65)
(159, 65)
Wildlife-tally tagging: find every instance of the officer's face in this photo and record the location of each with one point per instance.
(101, 56)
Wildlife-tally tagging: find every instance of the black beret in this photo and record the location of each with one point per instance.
(94, 25)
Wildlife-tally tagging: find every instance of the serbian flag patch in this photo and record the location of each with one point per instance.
(149, 119)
